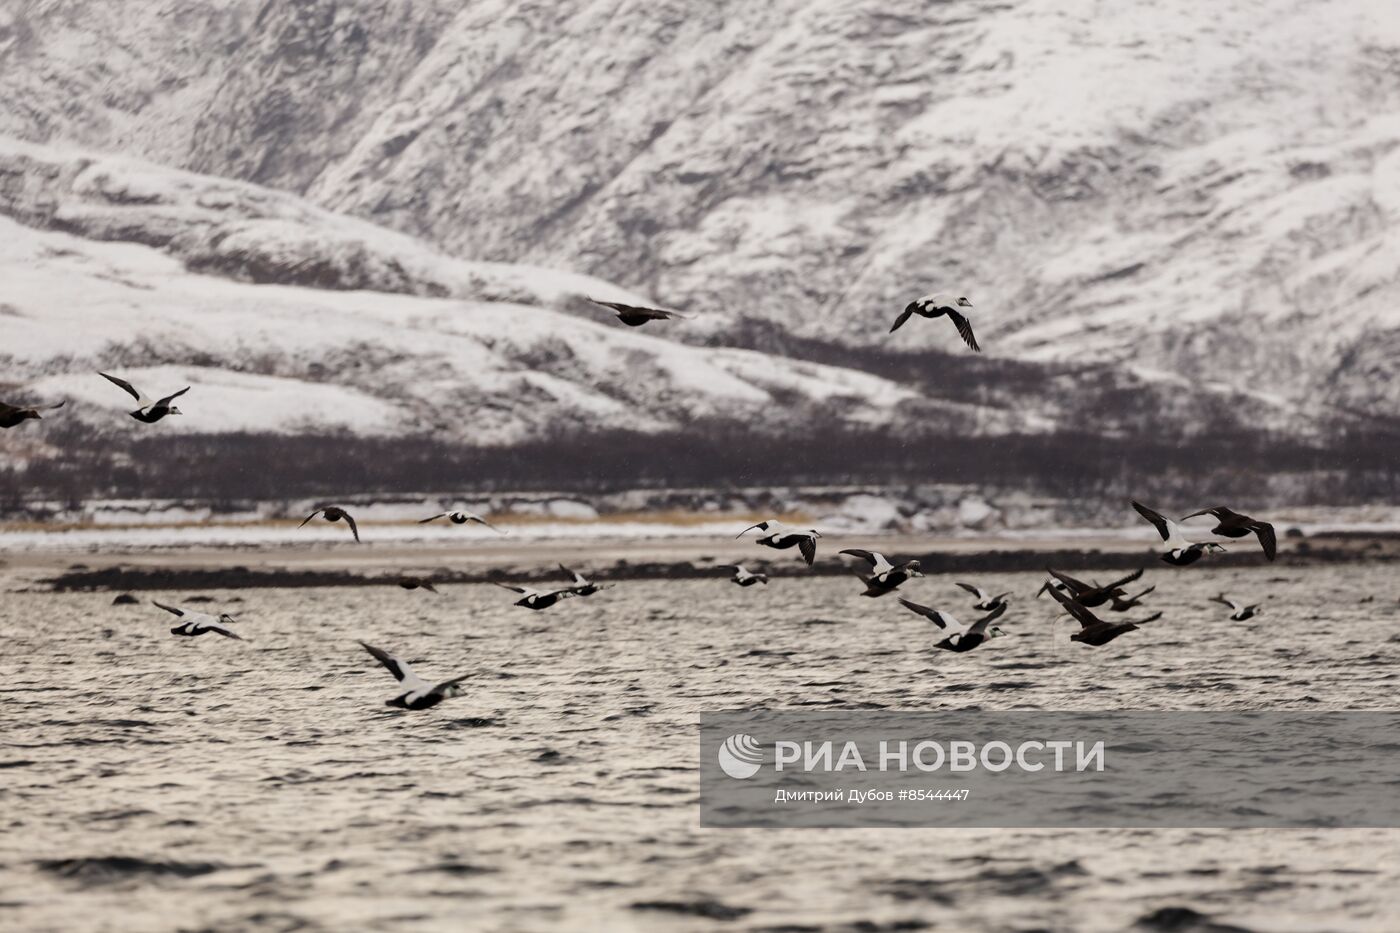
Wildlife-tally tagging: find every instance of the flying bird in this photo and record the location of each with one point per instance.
(418, 693)
(1238, 613)
(1094, 631)
(1178, 551)
(934, 306)
(884, 577)
(147, 411)
(334, 514)
(200, 623)
(985, 603)
(416, 583)
(959, 637)
(534, 599)
(582, 585)
(461, 518)
(11, 415)
(636, 316)
(780, 537)
(1231, 524)
(745, 578)
(1090, 594)
(1124, 603)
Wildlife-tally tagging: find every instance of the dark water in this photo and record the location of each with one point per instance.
(154, 782)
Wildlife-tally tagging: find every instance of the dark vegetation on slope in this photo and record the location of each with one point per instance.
(1251, 467)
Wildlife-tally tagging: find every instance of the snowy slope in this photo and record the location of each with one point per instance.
(173, 279)
(1196, 191)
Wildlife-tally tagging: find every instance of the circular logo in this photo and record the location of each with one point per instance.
(740, 756)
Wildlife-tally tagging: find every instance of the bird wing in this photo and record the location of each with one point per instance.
(655, 314)
(169, 609)
(981, 624)
(401, 671)
(1165, 526)
(1224, 601)
(350, 520)
(448, 687)
(977, 591)
(479, 520)
(1079, 586)
(808, 547)
(875, 559)
(310, 517)
(761, 526)
(172, 397)
(940, 619)
(964, 327)
(519, 589)
(424, 521)
(1081, 614)
(130, 389)
(1267, 540)
(1128, 579)
(55, 407)
(1152, 618)
(579, 579)
(1219, 511)
(899, 322)
(216, 627)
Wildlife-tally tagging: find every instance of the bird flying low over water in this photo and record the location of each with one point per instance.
(534, 599)
(985, 602)
(780, 537)
(582, 585)
(416, 583)
(745, 578)
(418, 693)
(11, 415)
(461, 518)
(884, 577)
(1088, 594)
(200, 623)
(1178, 551)
(1231, 524)
(1124, 603)
(635, 315)
(147, 411)
(959, 637)
(1238, 613)
(334, 514)
(933, 306)
(1094, 631)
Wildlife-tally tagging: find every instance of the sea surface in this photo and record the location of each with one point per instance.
(152, 782)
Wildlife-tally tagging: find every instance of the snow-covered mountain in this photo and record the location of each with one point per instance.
(1201, 195)
(289, 319)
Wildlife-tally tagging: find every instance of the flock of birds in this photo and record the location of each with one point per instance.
(879, 575)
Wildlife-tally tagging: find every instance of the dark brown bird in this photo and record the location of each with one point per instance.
(1231, 524)
(11, 415)
(1088, 594)
(1124, 603)
(335, 514)
(1094, 631)
(635, 315)
(417, 583)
